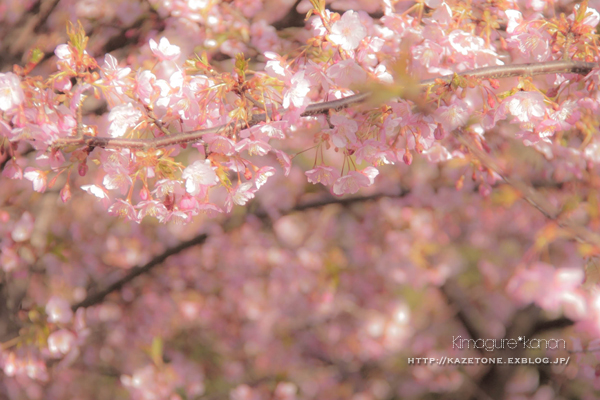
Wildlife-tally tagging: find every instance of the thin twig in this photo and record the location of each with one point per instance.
(532, 196)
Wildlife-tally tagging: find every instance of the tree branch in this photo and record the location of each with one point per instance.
(98, 297)
(200, 239)
(532, 196)
(137, 271)
(504, 71)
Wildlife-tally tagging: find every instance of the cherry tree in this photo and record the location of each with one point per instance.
(275, 199)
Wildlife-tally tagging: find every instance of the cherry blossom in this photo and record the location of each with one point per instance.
(198, 174)
(323, 174)
(348, 32)
(23, 228)
(344, 131)
(451, 195)
(11, 94)
(165, 50)
(37, 177)
(296, 94)
(59, 310)
(61, 342)
(240, 196)
(122, 118)
(526, 107)
(354, 180)
(346, 73)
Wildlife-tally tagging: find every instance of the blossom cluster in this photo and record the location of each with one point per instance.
(216, 107)
(344, 53)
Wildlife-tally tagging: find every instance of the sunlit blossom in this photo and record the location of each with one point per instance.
(164, 50)
(11, 94)
(348, 31)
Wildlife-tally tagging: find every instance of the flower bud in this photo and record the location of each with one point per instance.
(439, 133)
(82, 169)
(144, 193)
(65, 193)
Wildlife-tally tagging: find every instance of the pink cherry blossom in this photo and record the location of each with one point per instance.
(284, 161)
(323, 174)
(116, 177)
(262, 175)
(515, 22)
(23, 228)
(96, 191)
(348, 32)
(297, 92)
(64, 54)
(165, 50)
(200, 173)
(124, 209)
(527, 107)
(59, 310)
(354, 180)
(592, 17)
(122, 118)
(144, 86)
(344, 132)
(114, 75)
(11, 94)
(240, 196)
(546, 286)
(37, 177)
(453, 116)
(277, 67)
(151, 208)
(61, 342)
(12, 170)
(297, 295)
(220, 144)
(347, 72)
(254, 147)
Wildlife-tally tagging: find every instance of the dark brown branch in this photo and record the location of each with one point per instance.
(346, 201)
(292, 19)
(494, 381)
(505, 71)
(559, 323)
(200, 239)
(464, 313)
(137, 271)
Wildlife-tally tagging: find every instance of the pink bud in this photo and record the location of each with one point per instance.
(491, 101)
(485, 190)
(83, 168)
(144, 193)
(407, 158)
(65, 193)
(439, 133)
(247, 174)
